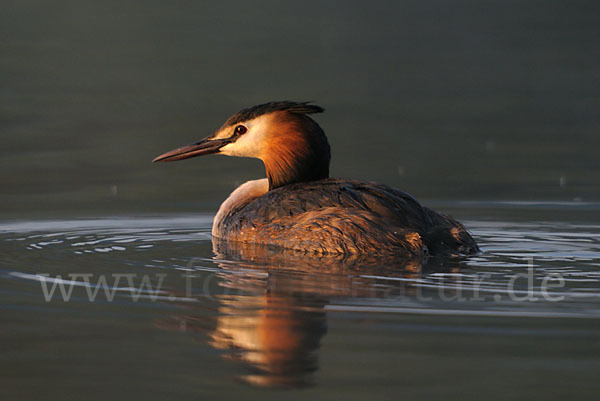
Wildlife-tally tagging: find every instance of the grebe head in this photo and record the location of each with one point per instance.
(292, 145)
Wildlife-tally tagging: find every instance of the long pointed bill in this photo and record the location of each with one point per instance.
(204, 147)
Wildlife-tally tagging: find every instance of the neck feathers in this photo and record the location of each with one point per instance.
(297, 152)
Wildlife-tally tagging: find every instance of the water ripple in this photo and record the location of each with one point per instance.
(516, 259)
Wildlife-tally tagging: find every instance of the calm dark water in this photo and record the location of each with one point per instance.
(485, 110)
(190, 320)
(458, 100)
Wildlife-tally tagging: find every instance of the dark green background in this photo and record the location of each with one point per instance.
(459, 100)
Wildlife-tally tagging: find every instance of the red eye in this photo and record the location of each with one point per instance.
(240, 130)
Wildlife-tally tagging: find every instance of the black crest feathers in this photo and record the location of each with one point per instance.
(255, 111)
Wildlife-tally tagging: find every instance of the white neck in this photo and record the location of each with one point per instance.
(243, 194)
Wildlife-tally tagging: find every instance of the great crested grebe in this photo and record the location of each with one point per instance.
(299, 207)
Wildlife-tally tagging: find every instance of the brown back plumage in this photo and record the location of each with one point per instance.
(339, 216)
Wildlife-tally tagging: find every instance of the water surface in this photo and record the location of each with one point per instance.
(229, 323)
(486, 110)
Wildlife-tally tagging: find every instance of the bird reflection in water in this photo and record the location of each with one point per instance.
(277, 338)
(271, 315)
